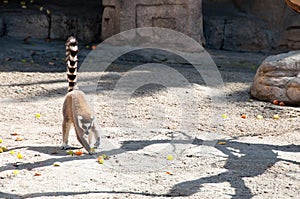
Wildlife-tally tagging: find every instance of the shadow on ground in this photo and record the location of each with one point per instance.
(255, 159)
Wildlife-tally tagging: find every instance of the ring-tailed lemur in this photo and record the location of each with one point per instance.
(76, 109)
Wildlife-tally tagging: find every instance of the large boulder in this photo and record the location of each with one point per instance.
(278, 77)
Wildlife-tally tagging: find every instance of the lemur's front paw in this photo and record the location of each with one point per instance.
(65, 147)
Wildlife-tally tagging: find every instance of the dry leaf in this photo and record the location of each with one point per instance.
(37, 174)
(56, 164)
(222, 143)
(79, 152)
(19, 139)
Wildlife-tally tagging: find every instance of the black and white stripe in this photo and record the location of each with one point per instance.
(71, 61)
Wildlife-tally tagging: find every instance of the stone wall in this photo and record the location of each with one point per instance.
(237, 25)
(52, 19)
(181, 15)
(256, 25)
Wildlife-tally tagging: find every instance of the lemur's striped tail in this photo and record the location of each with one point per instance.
(71, 61)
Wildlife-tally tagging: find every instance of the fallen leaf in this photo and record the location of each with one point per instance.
(222, 143)
(275, 102)
(19, 139)
(105, 157)
(4, 148)
(37, 115)
(224, 116)
(281, 104)
(101, 161)
(51, 63)
(56, 164)
(94, 47)
(1, 140)
(276, 117)
(37, 174)
(244, 116)
(70, 152)
(19, 156)
(12, 152)
(259, 117)
(79, 152)
(1, 150)
(169, 173)
(170, 157)
(15, 134)
(16, 172)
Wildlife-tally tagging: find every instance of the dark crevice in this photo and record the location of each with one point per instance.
(48, 14)
(223, 35)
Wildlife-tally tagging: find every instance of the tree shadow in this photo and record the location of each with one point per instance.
(255, 159)
(65, 193)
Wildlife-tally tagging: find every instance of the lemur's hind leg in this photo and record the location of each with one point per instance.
(66, 126)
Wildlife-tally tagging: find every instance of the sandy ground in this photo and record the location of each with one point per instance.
(159, 146)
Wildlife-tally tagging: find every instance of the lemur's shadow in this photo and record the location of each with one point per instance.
(255, 159)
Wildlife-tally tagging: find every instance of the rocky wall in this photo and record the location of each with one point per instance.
(52, 19)
(256, 25)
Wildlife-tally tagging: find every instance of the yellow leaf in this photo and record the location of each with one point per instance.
(222, 143)
(16, 172)
(37, 115)
(12, 152)
(20, 156)
(224, 116)
(56, 164)
(170, 157)
(19, 139)
(101, 161)
(276, 117)
(259, 117)
(1, 140)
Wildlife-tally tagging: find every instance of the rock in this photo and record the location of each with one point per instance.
(278, 77)
(183, 16)
(24, 25)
